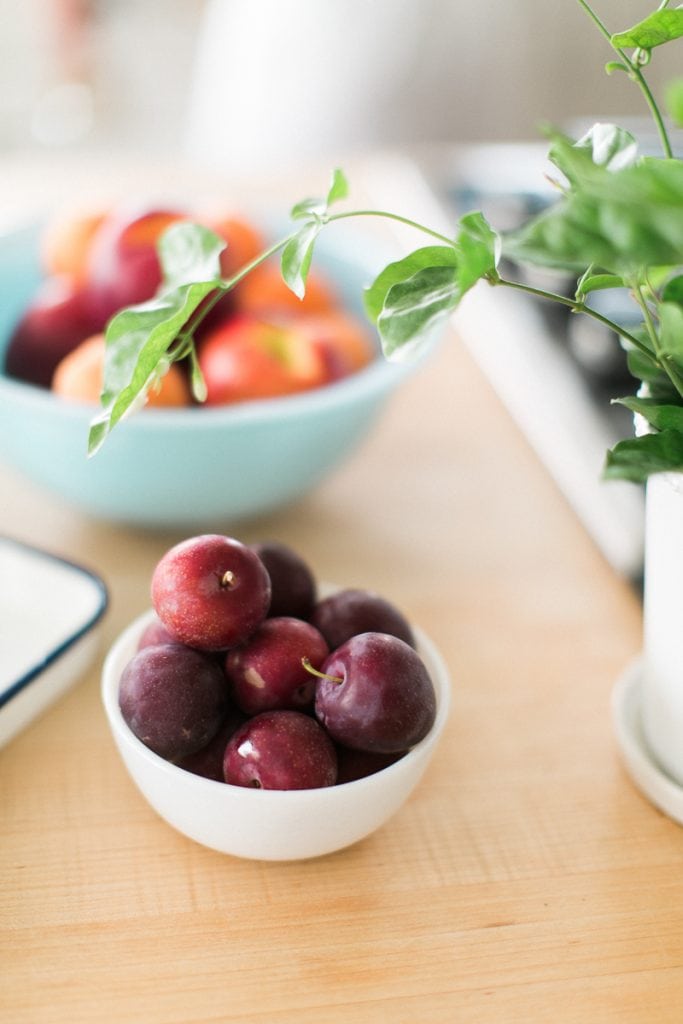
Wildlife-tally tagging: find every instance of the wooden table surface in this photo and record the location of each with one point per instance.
(524, 881)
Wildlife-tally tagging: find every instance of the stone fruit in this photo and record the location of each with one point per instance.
(245, 358)
(173, 699)
(55, 322)
(342, 340)
(351, 611)
(211, 591)
(245, 241)
(66, 240)
(266, 671)
(154, 634)
(280, 750)
(263, 293)
(293, 585)
(376, 695)
(123, 266)
(208, 762)
(358, 764)
(79, 376)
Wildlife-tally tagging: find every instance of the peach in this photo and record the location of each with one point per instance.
(344, 342)
(66, 240)
(79, 377)
(245, 241)
(248, 358)
(264, 293)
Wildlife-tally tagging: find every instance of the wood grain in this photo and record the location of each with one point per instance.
(525, 880)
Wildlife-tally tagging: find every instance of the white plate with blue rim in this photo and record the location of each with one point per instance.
(50, 612)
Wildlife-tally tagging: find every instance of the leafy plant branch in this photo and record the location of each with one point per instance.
(617, 223)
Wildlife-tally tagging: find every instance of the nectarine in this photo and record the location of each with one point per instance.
(79, 377)
(263, 293)
(245, 242)
(250, 358)
(66, 240)
(343, 341)
(123, 265)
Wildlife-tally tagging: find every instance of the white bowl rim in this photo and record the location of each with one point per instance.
(113, 666)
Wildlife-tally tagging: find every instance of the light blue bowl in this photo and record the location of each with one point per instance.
(188, 467)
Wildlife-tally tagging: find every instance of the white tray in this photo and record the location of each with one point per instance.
(49, 613)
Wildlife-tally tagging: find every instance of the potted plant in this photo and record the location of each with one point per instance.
(617, 223)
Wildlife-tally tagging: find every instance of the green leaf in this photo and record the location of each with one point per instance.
(620, 221)
(639, 457)
(673, 290)
(415, 307)
(137, 341)
(597, 282)
(659, 27)
(671, 331)
(318, 207)
(188, 253)
(646, 369)
(659, 415)
(297, 256)
(604, 145)
(307, 208)
(403, 269)
(418, 292)
(478, 249)
(339, 187)
(674, 100)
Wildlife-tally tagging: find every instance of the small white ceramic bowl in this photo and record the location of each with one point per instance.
(268, 824)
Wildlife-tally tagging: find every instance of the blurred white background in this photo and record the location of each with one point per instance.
(244, 84)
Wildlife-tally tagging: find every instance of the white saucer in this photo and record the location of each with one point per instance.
(645, 772)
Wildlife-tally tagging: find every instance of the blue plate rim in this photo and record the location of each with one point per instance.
(10, 692)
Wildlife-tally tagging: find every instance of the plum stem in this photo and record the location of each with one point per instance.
(228, 579)
(321, 675)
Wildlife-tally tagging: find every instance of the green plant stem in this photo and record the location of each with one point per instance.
(636, 74)
(225, 286)
(662, 359)
(390, 216)
(576, 307)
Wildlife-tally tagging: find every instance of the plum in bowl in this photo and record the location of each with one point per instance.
(268, 824)
(197, 465)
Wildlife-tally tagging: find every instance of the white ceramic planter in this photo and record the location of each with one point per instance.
(662, 666)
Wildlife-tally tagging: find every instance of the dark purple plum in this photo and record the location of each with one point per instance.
(378, 695)
(211, 592)
(266, 671)
(358, 764)
(280, 750)
(349, 612)
(294, 589)
(208, 762)
(154, 634)
(173, 699)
